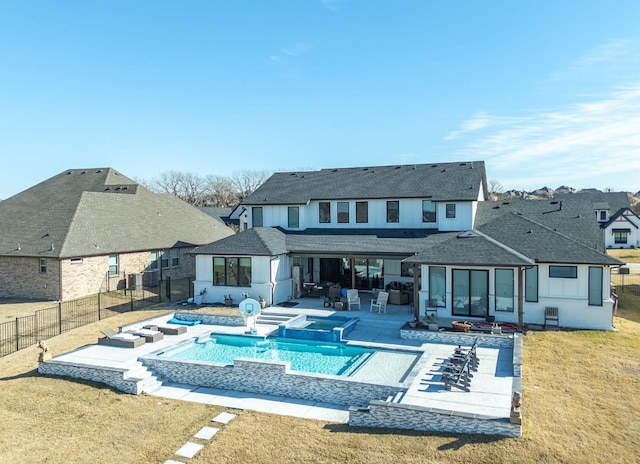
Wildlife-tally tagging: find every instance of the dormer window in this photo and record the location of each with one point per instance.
(603, 215)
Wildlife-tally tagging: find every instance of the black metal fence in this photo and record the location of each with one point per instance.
(625, 283)
(67, 315)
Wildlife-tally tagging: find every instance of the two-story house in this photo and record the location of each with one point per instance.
(86, 230)
(425, 225)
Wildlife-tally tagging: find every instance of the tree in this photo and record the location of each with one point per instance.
(246, 182)
(495, 189)
(222, 193)
(187, 186)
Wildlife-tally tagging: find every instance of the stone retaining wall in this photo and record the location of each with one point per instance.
(399, 416)
(270, 378)
(212, 319)
(114, 377)
(458, 338)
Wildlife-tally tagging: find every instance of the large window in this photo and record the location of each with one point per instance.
(428, 211)
(343, 212)
(362, 212)
(113, 265)
(43, 265)
(293, 215)
(531, 284)
(504, 290)
(256, 216)
(470, 292)
(450, 210)
(620, 235)
(324, 212)
(437, 286)
(232, 272)
(393, 211)
(563, 272)
(595, 286)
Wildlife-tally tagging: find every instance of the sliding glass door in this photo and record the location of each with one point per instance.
(470, 292)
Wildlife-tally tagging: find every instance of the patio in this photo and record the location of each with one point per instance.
(422, 390)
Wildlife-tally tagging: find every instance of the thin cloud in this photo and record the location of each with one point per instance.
(332, 5)
(286, 54)
(480, 120)
(588, 140)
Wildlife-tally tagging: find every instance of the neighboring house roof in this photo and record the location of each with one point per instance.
(461, 181)
(85, 212)
(221, 214)
(573, 218)
(618, 214)
(613, 201)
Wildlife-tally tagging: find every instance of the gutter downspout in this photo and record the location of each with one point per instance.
(416, 300)
(520, 298)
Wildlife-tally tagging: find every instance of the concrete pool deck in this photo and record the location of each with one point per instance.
(491, 387)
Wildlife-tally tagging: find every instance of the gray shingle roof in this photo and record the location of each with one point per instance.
(614, 201)
(258, 241)
(574, 218)
(467, 249)
(85, 212)
(439, 181)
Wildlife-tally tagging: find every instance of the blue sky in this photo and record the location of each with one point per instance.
(545, 92)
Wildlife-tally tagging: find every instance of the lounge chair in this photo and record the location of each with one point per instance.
(169, 329)
(121, 340)
(149, 335)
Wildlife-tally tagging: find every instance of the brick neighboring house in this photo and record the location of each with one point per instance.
(85, 230)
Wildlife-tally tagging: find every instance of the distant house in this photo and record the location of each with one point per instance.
(86, 230)
(620, 225)
(427, 228)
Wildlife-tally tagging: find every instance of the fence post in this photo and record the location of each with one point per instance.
(131, 293)
(17, 334)
(99, 312)
(167, 288)
(59, 317)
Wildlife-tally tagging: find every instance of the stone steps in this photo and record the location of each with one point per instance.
(147, 381)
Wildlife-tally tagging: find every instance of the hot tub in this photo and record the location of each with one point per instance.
(325, 329)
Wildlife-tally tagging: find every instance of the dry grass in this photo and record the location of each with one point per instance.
(628, 255)
(580, 405)
(10, 308)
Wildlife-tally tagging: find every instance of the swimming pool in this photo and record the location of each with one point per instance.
(304, 355)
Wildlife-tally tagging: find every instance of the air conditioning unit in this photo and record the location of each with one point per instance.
(151, 278)
(134, 281)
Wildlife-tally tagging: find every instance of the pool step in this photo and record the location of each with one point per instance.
(268, 318)
(146, 380)
(396, 398)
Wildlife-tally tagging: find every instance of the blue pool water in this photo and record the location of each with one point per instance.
(304, 355)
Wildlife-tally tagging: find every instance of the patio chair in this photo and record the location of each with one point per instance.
(380, 302)
(149, 335)
(333, 296)
(353, 298)
(120, 340)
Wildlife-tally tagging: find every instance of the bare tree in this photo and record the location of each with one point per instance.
(187, 186)
(246, 181)
(222, 193)
(495, 189)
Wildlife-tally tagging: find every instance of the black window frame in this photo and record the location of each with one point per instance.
(450, 210)
(229, 278)
(618, 237)
(558, 274)
(254, 216)
(468, 304)
(393, 211)
(324, 217)
(432, 301)
(290, 210)
(527, 272)
(426, 214)
(341, 218)
(362, 209)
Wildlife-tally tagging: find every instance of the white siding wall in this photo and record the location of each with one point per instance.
(410, 216)
(569, 295)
